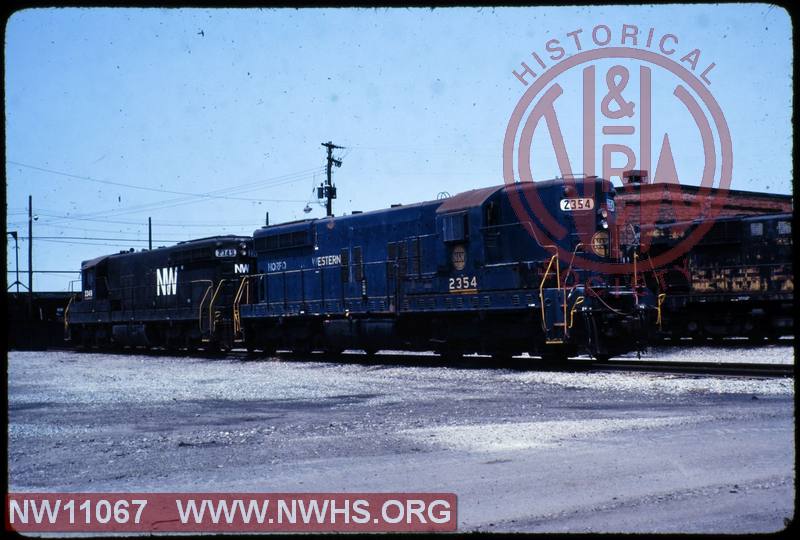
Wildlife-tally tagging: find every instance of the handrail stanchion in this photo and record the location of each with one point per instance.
(661, 298)
(66, 314)
(211, 323)
(200, 309)
(544, 278)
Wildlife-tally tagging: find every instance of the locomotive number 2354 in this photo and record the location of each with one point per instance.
(570, 205)
(462, 283)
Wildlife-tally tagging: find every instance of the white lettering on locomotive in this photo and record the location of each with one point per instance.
(166, 281)
(241, 268)
(327, 260)
(276, 266)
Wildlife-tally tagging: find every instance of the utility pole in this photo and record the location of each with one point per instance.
(30, 244)
(150, 233)
(30, 256)
(327, 190)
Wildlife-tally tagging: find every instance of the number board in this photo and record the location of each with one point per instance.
(570, 205)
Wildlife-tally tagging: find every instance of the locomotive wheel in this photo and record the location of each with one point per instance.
(250, 345)
(452, 355)
(82, 339)
(303, 349)
(171, 346)
(554, 356)
(214, 349)
(602, 358)
(505, 359)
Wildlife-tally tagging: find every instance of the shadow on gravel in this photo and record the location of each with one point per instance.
(378, 360)
(388, 360)
(721, 343)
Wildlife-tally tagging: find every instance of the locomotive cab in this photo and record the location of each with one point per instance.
(557, 239)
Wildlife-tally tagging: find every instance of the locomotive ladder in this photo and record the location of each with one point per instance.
(553, 303)
(213, 316)
(200, 316)
(243, 291)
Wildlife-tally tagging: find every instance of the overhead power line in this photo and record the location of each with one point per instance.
(120, 244)
(209, 195)
(103, 238)
(49, 271)
(52, 213)
(193, 198)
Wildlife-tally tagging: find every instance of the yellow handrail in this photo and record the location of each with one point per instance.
(661, 298)
(578, 301)
(541, 291)
(558, 286)
(211, 321)
(200, 309)
(572, 260)
(237, 323)
(66, 314)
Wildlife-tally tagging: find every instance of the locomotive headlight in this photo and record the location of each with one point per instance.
(604, 213)
(604, 223)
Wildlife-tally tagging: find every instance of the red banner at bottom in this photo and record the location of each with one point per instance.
(231, 512)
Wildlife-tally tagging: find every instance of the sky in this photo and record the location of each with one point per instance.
(205, 120)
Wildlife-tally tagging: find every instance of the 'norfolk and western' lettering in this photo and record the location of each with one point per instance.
(166, 281)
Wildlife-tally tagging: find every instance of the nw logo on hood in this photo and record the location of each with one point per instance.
(166, 281)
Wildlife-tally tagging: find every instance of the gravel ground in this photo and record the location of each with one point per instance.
(536, 451)
(729, 350)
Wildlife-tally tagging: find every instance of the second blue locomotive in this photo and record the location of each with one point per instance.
(458, 275)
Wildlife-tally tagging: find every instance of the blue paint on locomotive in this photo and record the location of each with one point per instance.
(464, 253)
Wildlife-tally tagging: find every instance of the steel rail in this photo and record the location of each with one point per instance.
(533, 364)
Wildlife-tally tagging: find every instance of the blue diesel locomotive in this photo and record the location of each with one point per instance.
(469, 273)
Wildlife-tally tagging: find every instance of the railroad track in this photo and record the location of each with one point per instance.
(576, 365)
(700, 368)
(483, 362)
